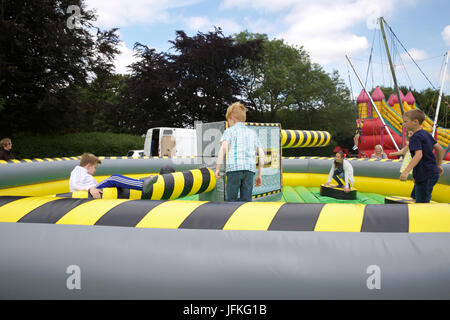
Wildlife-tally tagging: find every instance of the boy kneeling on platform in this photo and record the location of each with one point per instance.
(341, 169)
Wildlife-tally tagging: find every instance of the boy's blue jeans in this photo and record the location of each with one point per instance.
(239, 181)
(422, 191)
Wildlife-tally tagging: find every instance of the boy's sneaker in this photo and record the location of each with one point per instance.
(147, 186)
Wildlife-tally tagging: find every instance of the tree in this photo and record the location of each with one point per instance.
(205, 70)
(42, 58)
(148, 100)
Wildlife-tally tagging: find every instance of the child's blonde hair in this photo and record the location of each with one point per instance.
(238, 111)
(89, 158)
(379, 146)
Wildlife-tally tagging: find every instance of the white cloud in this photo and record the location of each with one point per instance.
(325, 28)
(228, 26)
(124, 59)
(198, 23)
(416, 54)
(446, 35)
(119, 13)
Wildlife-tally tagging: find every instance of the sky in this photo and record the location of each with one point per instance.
(327, 29)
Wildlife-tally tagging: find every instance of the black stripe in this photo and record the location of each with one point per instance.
(297, 137)
(52, 211)
(169, 184)
(65, 195)
(123, 193)
(7, 199)
(201, 218)
(385, 218)
(288, 137)
(206, 179)
(321, 139)
(127, 214)
(188, 183)
(292, 217)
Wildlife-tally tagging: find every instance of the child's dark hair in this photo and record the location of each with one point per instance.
(336, 164)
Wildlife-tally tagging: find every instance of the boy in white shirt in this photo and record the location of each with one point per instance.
(81, 178)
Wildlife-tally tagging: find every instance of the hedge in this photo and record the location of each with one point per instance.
(28, 146)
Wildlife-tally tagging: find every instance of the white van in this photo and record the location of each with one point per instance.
(163, 141)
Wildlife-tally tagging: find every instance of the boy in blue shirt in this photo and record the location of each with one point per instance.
(427, 168)
(241, 144)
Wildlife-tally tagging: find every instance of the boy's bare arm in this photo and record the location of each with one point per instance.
(439, 156)
(402, 152)
(220, 156)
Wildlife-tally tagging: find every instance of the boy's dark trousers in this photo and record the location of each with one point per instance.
(422, 190)
(239, 181)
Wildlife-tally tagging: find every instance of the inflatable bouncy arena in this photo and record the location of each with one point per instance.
(185, 242)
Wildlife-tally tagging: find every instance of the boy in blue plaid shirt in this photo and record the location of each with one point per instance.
(241, 144)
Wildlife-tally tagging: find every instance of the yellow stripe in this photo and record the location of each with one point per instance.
(197, 181)
(169, 214)
(291, 142)
(327, 141)
(253, 216)
(80, 194)
(109, 193)
(316, 137)
(15, 210)
(158, 189)
(135, 194)
(283, 137)
(212, 181)
(322, 136)
(178, 180)
(424, 217)
(89, 212)
(340, 217)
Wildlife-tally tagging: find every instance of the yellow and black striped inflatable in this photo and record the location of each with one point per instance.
(180, 214)
(304, 138)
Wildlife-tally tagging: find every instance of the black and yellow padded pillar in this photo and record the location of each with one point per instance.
(304, 138)
(174, 185)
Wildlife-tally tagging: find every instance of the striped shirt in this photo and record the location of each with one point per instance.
(242, 145)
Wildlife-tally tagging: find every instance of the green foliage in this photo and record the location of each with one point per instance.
(28, 146)
(42, 59)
